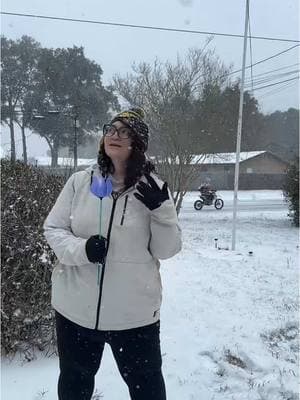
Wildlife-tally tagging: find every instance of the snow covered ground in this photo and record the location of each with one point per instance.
(229, 320)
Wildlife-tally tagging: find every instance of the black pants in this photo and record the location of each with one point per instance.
(136, 351)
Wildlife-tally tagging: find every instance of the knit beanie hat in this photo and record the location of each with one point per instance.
(134, 119)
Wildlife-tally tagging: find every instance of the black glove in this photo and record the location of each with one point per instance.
(151, 195)
(96, 249)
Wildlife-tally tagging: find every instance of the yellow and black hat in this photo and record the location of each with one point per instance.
(134, 119)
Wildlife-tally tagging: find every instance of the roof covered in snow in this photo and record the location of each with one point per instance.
(229, 158)
(221, 158)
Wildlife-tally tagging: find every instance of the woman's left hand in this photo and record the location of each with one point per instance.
(150, 194)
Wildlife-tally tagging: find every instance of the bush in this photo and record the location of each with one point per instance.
(291, 191)
(28, 194)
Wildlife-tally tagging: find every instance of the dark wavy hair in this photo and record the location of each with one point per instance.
(137, 163)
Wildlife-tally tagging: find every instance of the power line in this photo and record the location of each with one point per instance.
(277, 90)
(276, 83)
(263, 60)
(106, 23)
(258, 62)
(158, 28)
(271, 78)
(275, 70)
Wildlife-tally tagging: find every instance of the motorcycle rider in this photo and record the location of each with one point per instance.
(206, 189)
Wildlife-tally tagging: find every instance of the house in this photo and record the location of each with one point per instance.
(257, 170)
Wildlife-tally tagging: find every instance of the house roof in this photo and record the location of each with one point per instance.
(229, 158)
(221, 158)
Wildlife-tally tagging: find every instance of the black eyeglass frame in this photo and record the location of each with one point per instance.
(106, 127)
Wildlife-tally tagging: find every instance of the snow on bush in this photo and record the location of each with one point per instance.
(28, 194)
(291, 191)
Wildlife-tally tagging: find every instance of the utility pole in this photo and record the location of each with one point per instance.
(75, 141)
(24, 139)
(75, 151)
(74, 116)
(239, 131)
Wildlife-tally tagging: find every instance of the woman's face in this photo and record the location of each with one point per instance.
(117, 141)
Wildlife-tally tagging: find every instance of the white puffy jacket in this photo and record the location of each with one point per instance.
(129, 293)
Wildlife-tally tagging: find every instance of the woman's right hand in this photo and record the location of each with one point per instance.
(96, 249)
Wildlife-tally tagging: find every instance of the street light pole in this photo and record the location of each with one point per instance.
(74, 115)
(239, 131)
(75, 141)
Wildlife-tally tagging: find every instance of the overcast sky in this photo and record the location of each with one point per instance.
(116, 48)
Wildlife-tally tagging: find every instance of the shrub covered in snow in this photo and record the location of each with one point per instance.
(291, 191)
(28, 194)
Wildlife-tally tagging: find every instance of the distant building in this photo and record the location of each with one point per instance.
(258, 170)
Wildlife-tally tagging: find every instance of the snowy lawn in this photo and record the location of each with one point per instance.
(229, 320)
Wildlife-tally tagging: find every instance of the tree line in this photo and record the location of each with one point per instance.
(191, 105)
(53, 92)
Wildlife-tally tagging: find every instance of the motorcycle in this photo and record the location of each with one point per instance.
(208, 199)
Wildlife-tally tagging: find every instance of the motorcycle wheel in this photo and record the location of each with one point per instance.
(198, 205)
(219, 203)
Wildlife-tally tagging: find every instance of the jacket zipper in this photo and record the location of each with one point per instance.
(124, 210)
(103, 266)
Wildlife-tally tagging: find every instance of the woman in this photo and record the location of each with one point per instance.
(121, 308)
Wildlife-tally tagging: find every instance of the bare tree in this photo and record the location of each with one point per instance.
(170, 95)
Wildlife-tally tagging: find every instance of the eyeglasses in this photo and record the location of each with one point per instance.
(123, 132)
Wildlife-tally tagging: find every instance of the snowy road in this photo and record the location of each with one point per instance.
(253, 205)
(247, 201)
